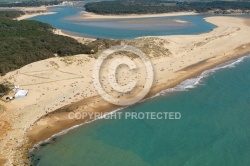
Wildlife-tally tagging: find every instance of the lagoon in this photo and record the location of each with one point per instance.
(123, 28)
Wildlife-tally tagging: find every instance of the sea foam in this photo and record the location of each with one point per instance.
(193, 82)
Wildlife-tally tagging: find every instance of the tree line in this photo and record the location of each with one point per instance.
(160, 6)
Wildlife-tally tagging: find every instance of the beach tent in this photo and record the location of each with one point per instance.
(21, 94)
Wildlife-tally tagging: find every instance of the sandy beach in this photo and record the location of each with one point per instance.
(78, 38)
(92, 16)
(30, 15)
(59, 85)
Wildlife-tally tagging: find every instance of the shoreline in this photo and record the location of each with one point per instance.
(92, 16)
(152, 94)
(197, 69)
(81, 39)
(200, 68)
(41, 125)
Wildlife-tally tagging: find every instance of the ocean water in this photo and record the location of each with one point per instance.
(117, 29)
(213, 129)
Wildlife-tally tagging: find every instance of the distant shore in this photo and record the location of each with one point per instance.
(61, 85)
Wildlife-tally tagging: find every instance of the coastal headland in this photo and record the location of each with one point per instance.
(60, 85)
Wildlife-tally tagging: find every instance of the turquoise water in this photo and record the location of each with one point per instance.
(213, 129)
(117, 30)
